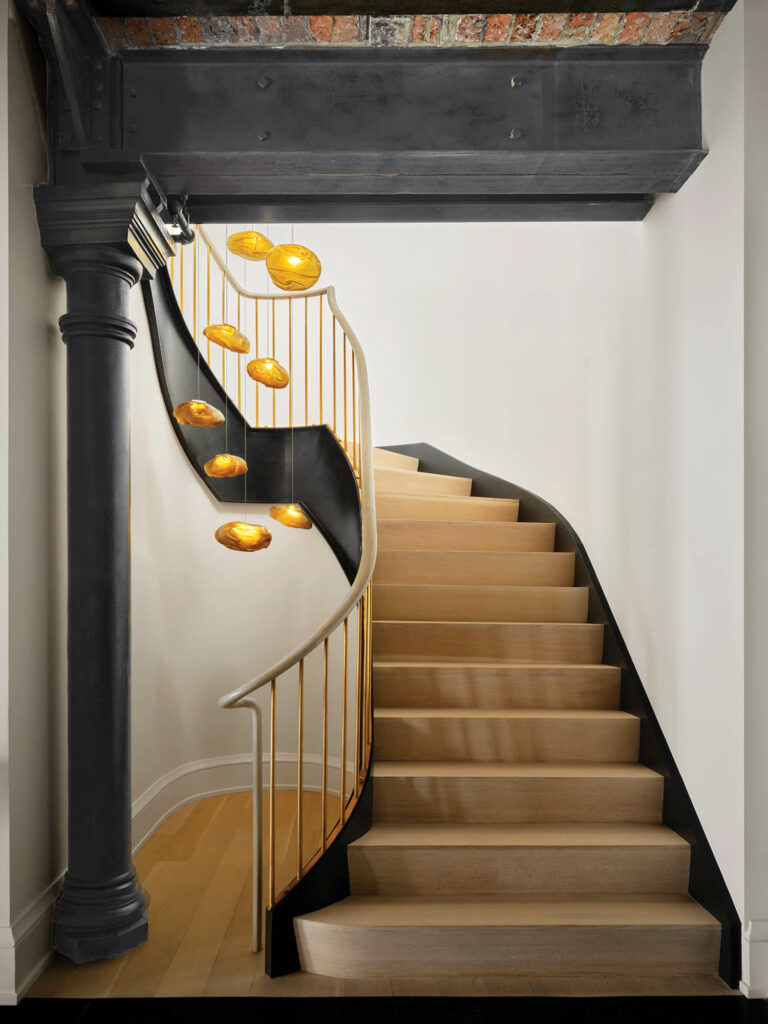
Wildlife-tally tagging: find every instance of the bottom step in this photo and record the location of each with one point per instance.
(475, 936)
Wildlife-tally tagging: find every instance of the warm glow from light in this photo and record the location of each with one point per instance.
(198, 414)
(226, 465)
(228, 337)
(293, 267)
(251, 245)
(269, 372)
(291, 515)
(239, 536)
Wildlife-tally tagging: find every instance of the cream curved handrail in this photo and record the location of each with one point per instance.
(357, 598)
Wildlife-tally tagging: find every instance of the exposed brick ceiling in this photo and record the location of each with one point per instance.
(634, 28)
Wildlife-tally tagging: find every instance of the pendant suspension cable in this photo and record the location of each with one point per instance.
(208, 303)
(194, 310)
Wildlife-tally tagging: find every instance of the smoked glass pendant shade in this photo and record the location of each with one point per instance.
(228, 337)
(239, 536)
(251, 245)
(226, 465)
(268, 371)
(293, 267)
(291, 515)
(198, 414)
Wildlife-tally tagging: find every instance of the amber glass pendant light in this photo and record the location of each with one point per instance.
(239, 536)
(228, 337)
(269, 372)
(226, 465)
(291, 515)
(251, 245)
(198, 414)
(292, 267)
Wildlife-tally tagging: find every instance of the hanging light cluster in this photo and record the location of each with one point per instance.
(292, 268)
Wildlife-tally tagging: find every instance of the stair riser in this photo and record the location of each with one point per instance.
(509, 801)
(399, 481)
(486, 687)
(383, 459)
(569, 643)
(480, 604)
(399, 506)
(404, 871)
(463, 536)
(423, 951)
(476, 568)
(498, 739)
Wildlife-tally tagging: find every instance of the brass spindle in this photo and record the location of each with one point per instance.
(346, 446)
(290, 362)
(256, 353)
(274, 393)
(181, 279)
(354, 416)
(369, 672)
(300, 803)
(306, 361)
(324, 783)
(320, 300)
(272, 730)
(334, 375)
(208, 305)
(343, 782)
(358, 693)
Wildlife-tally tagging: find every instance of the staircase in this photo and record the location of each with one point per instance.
(514, 831)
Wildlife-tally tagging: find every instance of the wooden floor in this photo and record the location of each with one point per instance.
(197, 871)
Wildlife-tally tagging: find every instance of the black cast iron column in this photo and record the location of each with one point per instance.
(100, 242)
(101, 911)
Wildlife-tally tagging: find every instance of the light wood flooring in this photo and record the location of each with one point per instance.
(197, 871)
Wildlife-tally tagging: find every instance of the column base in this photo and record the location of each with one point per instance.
(100, 921)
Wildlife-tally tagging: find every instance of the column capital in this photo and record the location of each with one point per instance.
(123, 216)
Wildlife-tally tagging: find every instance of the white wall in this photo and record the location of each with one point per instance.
(756, 498)
(600, 366)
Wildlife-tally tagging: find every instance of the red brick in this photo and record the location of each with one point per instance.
(295, 30)
(268, 29)
(321, 28)
(190, 29)
(523, 28)
(164, 31)
(419, 28)
(497, 28)
(605, 28)
(345, 28)
(635, 25)
(581, 20)
(551, 26)
(114, 32)
(138, 31)
(470, 28)
(689, 28)
(435, 24)
(661, 27)
(243, 27)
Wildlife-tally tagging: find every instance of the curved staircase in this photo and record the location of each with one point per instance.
(514, 831)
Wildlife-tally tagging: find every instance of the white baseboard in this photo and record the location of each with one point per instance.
(755, 959)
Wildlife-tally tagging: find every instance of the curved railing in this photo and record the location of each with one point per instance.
(328, 382)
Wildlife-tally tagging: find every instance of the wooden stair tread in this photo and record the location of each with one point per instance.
(417, 602)
(524, 910)
(394, 460)
(441, 535)
(512, 770)
(497, 666)
(557, 834)
(455, 567)
(395, 505)
(578, 714)
(405, 481)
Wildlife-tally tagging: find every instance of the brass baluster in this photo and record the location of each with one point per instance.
(320, 301)
(208, 305)
(343, 770)
(272, 730)
(306, 361)
(324, 784)
(358, 694)
(300, 806)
